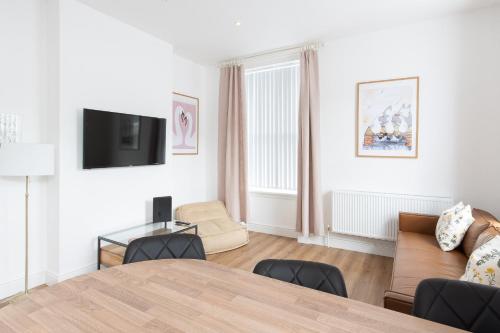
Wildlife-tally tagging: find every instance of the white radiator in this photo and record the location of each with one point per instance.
(375, 215)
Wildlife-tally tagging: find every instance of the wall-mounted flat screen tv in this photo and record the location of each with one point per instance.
(113, 139)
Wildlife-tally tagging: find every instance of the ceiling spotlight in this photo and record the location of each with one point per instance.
(237, 23)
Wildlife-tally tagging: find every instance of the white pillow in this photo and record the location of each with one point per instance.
(484, 264)
(452, 226)
(449, 213)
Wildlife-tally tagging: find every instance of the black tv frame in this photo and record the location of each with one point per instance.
(162, 141)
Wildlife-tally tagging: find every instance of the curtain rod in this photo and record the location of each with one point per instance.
(239, 60)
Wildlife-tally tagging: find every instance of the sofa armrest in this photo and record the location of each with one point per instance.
(419, 223)
(398, 302)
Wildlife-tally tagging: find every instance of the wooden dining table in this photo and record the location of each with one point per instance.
(195, 296)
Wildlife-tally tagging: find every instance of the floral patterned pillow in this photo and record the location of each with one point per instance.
(484, 264)
(452, 226)
(449, 213)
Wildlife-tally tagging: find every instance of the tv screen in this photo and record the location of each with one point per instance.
(117, 140)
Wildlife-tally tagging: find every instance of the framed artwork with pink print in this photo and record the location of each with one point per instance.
(185, 121)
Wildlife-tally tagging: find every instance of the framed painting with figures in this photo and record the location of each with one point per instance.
(185, 122)
(387, 118)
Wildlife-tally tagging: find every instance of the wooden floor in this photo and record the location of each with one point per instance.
(367, 276)
(177, 295)
(8, 300)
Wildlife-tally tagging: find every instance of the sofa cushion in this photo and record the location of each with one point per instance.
(482, 221)
(487, 235)
(419, 223)
(419, 257)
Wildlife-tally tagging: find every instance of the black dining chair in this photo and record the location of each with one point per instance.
(469, 306)
(309, 274)
(172, 246)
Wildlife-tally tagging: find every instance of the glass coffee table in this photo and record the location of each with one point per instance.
(119, 240)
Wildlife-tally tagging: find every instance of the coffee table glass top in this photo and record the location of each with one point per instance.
(125, 236)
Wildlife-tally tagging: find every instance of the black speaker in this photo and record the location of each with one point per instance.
(162, 209)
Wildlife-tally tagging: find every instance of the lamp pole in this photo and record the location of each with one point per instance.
(26, 160)
(26, 200)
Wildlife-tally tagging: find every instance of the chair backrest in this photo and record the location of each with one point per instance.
(309, 274)
(465, 305)
(172, 246)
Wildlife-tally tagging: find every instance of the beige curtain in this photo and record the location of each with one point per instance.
(309, 201)
(232, 155)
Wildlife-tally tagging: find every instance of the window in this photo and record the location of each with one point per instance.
(272, 106)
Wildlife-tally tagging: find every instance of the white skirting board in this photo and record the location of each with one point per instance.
(53, 278)
(352, 243)
(272, 229)
(340, 241)
(362, 244)
(13, 287)
(9, 288)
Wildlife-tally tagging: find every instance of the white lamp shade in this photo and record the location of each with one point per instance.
(26, 159)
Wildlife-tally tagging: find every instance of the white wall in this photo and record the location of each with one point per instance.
(66, 57)
(91, 60)
(456, 59)
(477, 177)
(195, 176)
(21, 93)
(272, 213)
(457, 62)
(106, 65)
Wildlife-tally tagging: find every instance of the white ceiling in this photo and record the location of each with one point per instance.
(205, 30)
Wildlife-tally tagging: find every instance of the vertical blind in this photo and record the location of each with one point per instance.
(272, 94)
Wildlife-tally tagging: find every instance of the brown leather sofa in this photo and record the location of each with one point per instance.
(418, 255)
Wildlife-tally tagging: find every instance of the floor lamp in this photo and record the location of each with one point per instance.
(25, 160)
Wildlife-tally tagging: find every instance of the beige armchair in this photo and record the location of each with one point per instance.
(217, 230)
